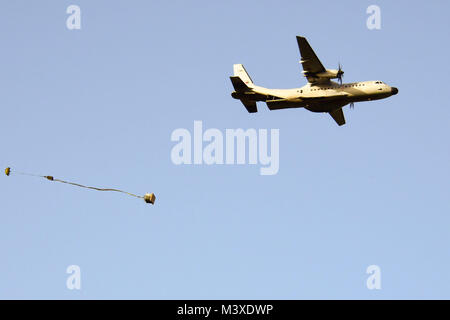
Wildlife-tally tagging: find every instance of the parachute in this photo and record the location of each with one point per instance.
(148, 197)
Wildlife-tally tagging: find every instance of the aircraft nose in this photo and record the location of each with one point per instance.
(394, 90)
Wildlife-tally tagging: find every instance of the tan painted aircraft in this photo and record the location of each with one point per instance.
(319, 95)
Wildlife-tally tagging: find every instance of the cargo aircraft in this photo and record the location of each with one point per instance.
(319, 95)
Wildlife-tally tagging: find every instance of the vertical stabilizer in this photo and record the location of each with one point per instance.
(239, 71)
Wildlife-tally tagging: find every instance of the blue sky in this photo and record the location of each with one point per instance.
(98, 106)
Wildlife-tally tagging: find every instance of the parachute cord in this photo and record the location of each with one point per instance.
(93, 188)
(148, 197)
(27, 174)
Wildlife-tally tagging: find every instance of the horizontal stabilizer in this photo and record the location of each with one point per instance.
(250, 105)
(239, 85)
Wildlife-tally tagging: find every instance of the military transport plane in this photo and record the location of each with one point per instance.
(319, 95)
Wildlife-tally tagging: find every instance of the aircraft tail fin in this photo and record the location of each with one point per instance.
(243, 85)
(239, 71)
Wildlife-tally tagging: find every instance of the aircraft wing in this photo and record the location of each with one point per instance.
(311, 64)
(338, 116)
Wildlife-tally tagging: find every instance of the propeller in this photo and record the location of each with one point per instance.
(340, 73)
(352, 105)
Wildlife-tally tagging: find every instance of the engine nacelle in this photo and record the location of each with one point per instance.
(328, 74)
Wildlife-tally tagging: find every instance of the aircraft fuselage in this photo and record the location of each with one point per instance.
(319, 97)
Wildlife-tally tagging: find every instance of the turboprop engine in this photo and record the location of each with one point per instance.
(328, 74)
